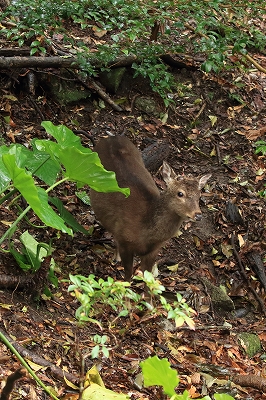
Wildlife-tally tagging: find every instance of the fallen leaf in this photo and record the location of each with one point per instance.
(252, 134)
(98, 32)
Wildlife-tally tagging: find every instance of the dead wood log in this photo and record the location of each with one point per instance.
(254, 381)
(14, 52)
(7, 61)
(32, 62)
(154, 155)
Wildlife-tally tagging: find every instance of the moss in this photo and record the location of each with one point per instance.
(250, 343)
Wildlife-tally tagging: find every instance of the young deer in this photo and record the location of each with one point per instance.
(142, 222)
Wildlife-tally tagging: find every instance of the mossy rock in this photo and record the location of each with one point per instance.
(111, 79)
(250, 343)
(147, 105)
(65, 91)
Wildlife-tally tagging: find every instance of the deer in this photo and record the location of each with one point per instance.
(142, 222)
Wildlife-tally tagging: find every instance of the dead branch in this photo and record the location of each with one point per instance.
(55, 371)
(254, 381)
(66, 61)
(44, 62)
(243, 273)
(104, 95)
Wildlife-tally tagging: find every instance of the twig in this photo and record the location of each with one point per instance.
(200, 112)
(255, 63)
(22, 351)
(218, 154)
(105, 96)
(243, 273)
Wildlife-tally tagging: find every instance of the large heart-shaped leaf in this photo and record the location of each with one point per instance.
(36, 197)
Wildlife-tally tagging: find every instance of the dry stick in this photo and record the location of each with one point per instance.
(257, 65)
(200, 112)
(105, 96)
(99, 90)
(243, 273)
(218, 154)
(36, 108)
(55, 371)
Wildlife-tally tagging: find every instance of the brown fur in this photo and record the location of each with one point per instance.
(142, 222)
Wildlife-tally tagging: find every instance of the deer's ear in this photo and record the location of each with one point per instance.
(203, 180)
(168, 173)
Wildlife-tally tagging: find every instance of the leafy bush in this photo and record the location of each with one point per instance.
(66, 159)
(94, 295)
(215, 30)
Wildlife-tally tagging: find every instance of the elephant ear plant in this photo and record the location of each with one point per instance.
(33, 173)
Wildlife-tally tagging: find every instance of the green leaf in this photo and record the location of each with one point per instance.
(67, 216)
(48, 216)
(81, 164)
(43, 166)
(207, 66)
(4, 176)
(223, 396)
(36, 197)
(159, 372)
(85, 166)
(20, 258)
(95, 351)
(33, 51)
(84, 197)
(184, 396)
(46, 146)
(51, 275)
(64, 136)
(31, 250)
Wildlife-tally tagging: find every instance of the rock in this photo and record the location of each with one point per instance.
(65, 91)
(220, 300)
(147, 105)
(250, 343)
(111, 79)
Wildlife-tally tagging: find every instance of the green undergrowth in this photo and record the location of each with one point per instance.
(97, 296)
(28, 178)
(219, 32)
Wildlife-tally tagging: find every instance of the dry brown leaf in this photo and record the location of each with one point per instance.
(98, 32)
(252, 134)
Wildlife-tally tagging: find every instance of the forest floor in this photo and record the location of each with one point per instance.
(209, 131)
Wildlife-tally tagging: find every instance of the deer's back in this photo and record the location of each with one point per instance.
(125, 217)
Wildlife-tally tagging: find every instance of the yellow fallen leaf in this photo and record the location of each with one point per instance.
(70, 384)
(241, 241)
(34, 366)
(6, 306)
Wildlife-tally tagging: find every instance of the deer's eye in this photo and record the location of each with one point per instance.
(180, 194)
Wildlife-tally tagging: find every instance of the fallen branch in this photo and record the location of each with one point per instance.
(68, 61)
(243, 273)
(254, 381)
(104, 95)
(55, 371)
(44, 62)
